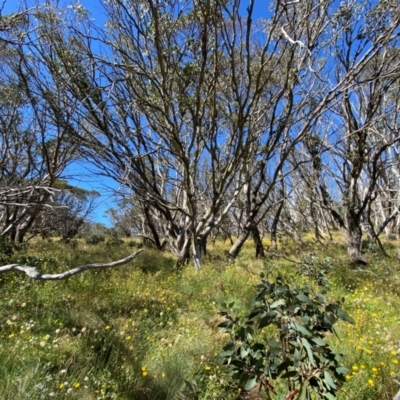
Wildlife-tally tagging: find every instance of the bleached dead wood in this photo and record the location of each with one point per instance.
(35, 274)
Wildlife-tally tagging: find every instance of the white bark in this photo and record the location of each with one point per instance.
(33, 273)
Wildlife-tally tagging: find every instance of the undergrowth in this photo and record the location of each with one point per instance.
(149, 331)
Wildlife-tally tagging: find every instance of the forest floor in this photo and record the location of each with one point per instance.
(149, 331)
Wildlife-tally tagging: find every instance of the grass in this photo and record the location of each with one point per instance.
(148, 331)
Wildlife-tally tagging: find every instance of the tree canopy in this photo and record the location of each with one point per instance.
(213, 115)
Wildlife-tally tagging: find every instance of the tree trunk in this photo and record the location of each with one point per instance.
(255, 233)
(197, 255)
(353, 236)
(153, 229)
(202, 243)
(316, 223)
(183, 256)
(238, 244)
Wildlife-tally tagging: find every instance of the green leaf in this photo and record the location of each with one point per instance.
(283, 366)
(278, 303)
(267, 320)
(256, 312)
(243, 352)
(273, 343)
(342, 370)
(308, 350)
(297, 355)
(300, 328)
(330, 396)
(318, 341)
(276, 351)
(251, 382)
(225, 354)
(328, 379)
(321, 297)
(304, 299)
(290, 374)
(344, 316)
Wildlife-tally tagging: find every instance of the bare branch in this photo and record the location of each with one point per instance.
(34, 274)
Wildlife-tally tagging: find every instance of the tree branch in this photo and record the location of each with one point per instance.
(34, 274)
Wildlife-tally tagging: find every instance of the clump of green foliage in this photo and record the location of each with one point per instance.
(315, 268)
(295, 351)
(8, 248)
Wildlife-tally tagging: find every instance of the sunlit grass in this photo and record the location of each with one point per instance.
(149, 330)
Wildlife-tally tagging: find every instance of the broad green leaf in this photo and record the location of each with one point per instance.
(255, 312)
(267, 320)
(318, 341)
(225, 354)
(328, 379)
(344, 316)
(342, 370)
(300, 328)
(278, 303)
(321, 297)
(283, 366)
(273, 343)
(308, 350)
(304, 299)
(251, 382)
(243, 352)
(276, 351)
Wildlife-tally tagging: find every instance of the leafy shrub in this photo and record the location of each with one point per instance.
(114, 241)
(95, 239)
(8, 248)
(369, 247)
(49, 263)
(311, 266)
(296, 351)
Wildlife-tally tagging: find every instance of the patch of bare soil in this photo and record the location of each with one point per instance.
(253, 394)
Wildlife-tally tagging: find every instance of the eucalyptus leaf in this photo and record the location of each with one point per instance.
(300, 328)
(328, 379)
(304, 299)
(277, 303)
(318, 341)
(308, 350)
(251, 382)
